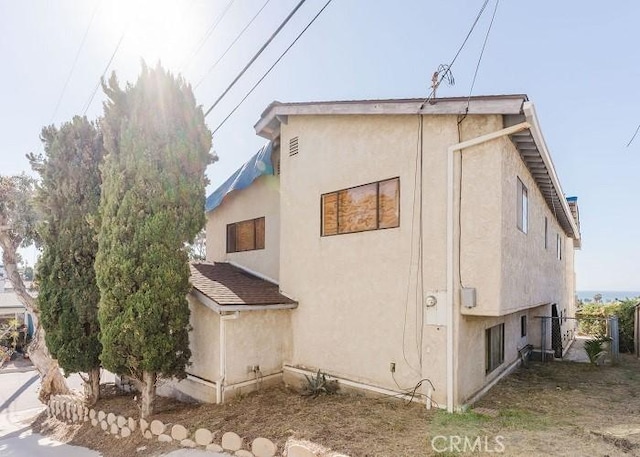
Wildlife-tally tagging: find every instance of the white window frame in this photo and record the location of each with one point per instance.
(558, 246)
(522, 207)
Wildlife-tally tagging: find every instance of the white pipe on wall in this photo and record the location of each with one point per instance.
(451, 150)
(223, 355)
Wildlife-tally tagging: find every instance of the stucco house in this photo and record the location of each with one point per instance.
(386, 243)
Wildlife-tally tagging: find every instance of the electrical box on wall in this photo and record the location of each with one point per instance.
(435, 307)
(468, 297)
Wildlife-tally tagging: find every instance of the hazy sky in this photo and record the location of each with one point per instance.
(577, 61)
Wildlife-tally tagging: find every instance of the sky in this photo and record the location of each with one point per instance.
(576, 60)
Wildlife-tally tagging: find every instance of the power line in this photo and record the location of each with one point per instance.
(75, 61)
(253, 59)
(95, 89)
(634, 136)
(484, 44)
(207, 35)
(270, 68)
(215, 64)
(448, 67)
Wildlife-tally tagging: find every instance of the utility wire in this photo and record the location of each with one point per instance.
(634, 136)
(253, 59)
(215, 64)
(486, 37)
(212, 29)
(95, 89)
(75, 61)
(444, 73)
(270, 68)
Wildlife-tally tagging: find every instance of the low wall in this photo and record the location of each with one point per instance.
(70, 409)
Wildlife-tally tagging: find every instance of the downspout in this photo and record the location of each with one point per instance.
(451, 151)
(223, 355)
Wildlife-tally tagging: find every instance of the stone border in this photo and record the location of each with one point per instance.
(70, 409)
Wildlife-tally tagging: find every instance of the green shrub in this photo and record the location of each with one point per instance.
(624, 310)
(319, 384)
(595, 350)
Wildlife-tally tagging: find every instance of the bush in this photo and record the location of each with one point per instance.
(624, 310)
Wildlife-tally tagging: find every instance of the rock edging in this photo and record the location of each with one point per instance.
(70, 409)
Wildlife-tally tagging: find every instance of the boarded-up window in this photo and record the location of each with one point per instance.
(245, 235)
(357, 209)
(330, 214)
(389, 203)
(259, 233)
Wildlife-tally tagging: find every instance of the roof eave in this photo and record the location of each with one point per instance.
(218, 308)
(536, 132)
(268, 126)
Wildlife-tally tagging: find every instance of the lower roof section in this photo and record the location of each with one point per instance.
(226, 287)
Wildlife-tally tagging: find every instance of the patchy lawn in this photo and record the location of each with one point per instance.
(557, 408)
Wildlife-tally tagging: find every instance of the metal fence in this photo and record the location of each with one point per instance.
(563, 337)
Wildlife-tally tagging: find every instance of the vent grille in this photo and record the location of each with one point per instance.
(293, 146)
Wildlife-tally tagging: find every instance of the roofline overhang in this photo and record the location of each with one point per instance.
(276, 114)
(532, 118)
(220, 309)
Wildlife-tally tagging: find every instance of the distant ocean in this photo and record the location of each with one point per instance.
(607, 295)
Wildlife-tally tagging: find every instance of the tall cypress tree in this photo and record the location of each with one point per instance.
(153, 194)
(69, 195)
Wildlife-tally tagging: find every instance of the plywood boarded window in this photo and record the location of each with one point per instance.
(357, 209)
(245, 235)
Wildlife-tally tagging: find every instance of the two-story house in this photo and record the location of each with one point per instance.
(393, 244)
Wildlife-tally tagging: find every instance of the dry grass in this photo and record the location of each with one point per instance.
(547, 409)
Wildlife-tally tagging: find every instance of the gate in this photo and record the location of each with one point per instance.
(563, 337)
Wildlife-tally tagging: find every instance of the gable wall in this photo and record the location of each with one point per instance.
(260, 199)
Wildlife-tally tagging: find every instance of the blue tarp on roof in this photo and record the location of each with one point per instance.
(260, 164)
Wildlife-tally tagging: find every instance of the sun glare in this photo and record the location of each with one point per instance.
(153, 29)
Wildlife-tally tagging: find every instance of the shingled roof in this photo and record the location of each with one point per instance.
(233, 288)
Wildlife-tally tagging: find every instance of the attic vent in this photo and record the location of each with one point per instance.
(293, 146)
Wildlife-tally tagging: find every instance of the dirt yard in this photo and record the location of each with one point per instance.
(557, 408)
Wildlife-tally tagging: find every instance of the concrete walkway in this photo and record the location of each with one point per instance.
(576, 352)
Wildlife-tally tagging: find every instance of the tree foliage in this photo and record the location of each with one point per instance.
(599, 313)
(18, 220)
(153, 193)
(68, 196)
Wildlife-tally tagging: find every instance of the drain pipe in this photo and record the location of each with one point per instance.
(223, 354)
(451, 152)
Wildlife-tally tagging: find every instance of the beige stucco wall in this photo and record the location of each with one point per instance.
(204, 341)
(259, 199)
(354, 289)
(471, 362)
(512, 272)
(257, 338)
(533, 275)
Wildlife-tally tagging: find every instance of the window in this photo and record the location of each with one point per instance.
(494, 344)
(558, 246)
(546, 233)
(246, 235)
(523, 326)
(523, 207)
(357, 209)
